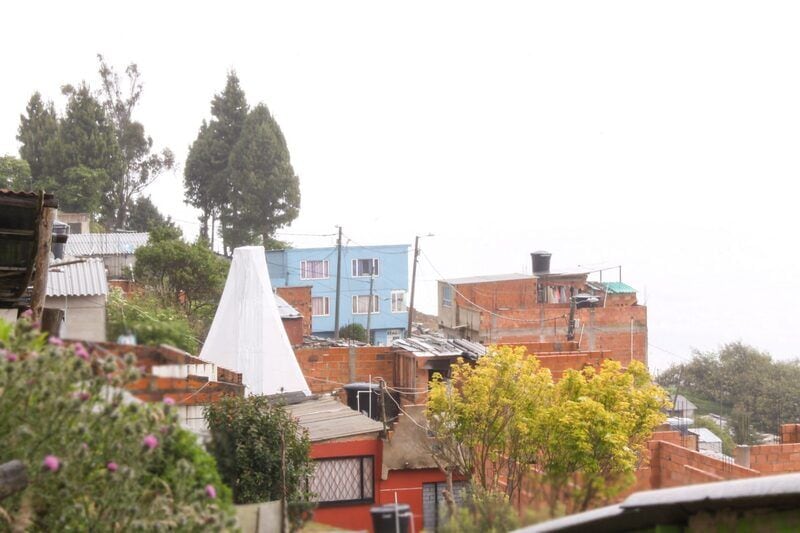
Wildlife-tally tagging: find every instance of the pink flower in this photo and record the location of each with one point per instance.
(169, 401)
(11, 357)
(51, 463)
(84, 446)
(28, 313)
(150, 441)
(112, 466)
(80, 351)
(211, 492)
(55, 341)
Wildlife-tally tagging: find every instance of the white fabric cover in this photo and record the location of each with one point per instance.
(247, 334)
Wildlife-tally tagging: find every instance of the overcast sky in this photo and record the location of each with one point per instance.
(660, 136)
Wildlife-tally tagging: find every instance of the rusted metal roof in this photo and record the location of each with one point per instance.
(84, 278)
(326, 418)
(95, 244)
(26, 198)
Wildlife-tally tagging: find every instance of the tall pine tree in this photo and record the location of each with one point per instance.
(38, 133)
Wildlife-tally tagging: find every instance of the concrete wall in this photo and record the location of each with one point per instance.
(85, 316)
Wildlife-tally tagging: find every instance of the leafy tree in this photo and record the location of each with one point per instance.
(151, 320)
(355, 332)
(484, 512)
(186, 275)
(94, 460)
(265, 192)
(206, 177)
(40, 143)
(586, 434)
(15, 173)
(145, 216)
(261, 453)
(137, 166)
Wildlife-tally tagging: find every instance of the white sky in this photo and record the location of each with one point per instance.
(660, 136)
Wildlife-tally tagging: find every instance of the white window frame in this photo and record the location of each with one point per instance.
(305, 270)
(325, 303)
(376, 301)
(358, 274)
(402, 297)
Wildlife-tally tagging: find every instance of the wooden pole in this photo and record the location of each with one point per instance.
(44, 233)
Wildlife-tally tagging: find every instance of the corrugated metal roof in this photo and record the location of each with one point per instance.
(439, 346)
(286, 310)
(705, 435)
(488, 278)
(86, 278)
(326, 418)
(93, 244)
(617, 287)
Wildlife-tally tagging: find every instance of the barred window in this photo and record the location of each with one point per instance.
(432, 499)
(344, 480)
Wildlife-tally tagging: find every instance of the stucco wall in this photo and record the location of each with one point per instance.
(84, 316)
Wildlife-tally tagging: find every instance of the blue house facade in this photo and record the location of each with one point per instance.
(385, 266)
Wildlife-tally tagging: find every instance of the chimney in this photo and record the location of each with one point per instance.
(541, 262)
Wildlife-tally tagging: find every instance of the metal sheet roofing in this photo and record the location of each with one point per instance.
(488, 278)
(617, 287)
(85, 278)
(439, 346)
(705, 435)
(93, 244)
(286, 310)
(326, 418)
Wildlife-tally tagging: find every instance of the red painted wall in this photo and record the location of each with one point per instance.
(355, 517)
(407, 484)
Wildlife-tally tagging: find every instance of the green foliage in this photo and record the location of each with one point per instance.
(147, 317)
(238, 171)
(15, 173)
(355, 332)
(95, 460)
(484, 511)
(38, 135)
(185, 275)
(249, 438)
(746, 384)
(145, 216)
(137, 165)
(586, 434)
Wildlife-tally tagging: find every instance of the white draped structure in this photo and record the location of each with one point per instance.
(247, 334)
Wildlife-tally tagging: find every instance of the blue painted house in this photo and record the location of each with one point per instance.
(385, 265)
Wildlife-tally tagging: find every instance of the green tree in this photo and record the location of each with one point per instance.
(354, 331)
(145, 216)
(265, 192)
(38, 134)
(96, 461)
(206, 178)
(261, 453)
(15, 173)
(137, 166)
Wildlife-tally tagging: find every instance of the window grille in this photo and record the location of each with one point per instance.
(344, 480)
(432, 499)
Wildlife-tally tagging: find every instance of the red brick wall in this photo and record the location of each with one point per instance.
(775, 458)
(326, 369)
(790, 433)
(673, 466)
(300, 299)
(294, 330)
(192, 390)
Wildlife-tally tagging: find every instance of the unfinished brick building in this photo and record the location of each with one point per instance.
(523, 308)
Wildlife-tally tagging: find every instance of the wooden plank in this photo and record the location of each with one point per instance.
(42, 261)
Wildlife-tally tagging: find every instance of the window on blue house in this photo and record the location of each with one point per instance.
(365, 267)
(361, 304)
(398, 301)
(320, 306)
(314, 269)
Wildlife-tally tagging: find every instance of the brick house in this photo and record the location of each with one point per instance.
(519, 308)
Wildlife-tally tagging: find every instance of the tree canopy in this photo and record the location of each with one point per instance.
(493, 420)
(238, 171)
(742, 383)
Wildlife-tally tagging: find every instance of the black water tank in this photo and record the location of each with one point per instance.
(364, 397)
(541, 262)
(60, 234)
(391, 518)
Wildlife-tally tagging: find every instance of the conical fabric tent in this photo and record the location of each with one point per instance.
(247, 334)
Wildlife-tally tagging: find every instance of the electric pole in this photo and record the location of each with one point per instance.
(369, 307)
(413, 283)
(338, 283)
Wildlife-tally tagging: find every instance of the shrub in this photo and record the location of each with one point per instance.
(355, 332)
(96, 459)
